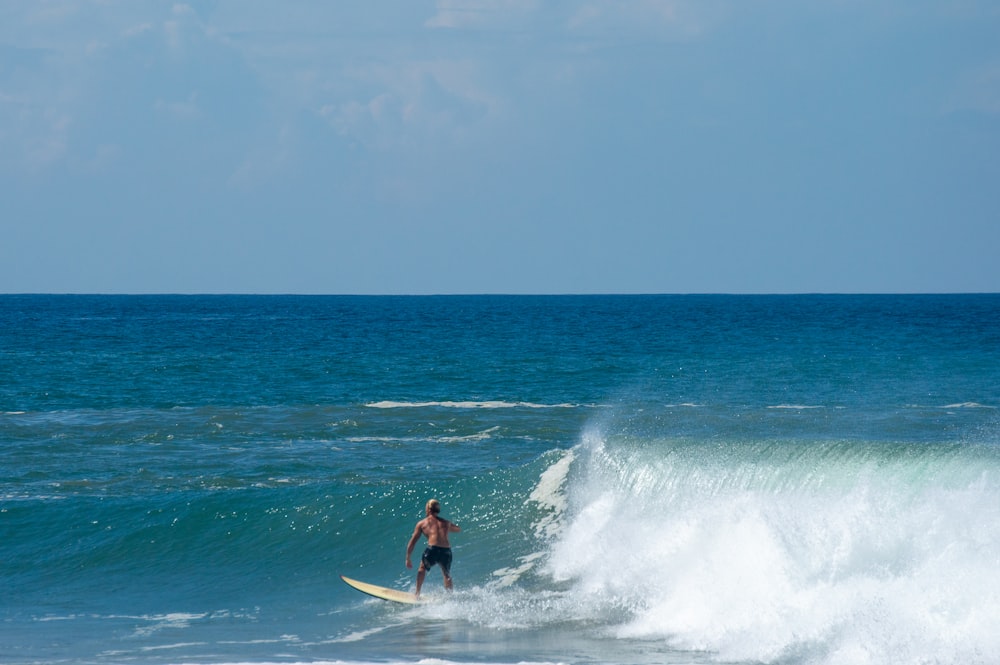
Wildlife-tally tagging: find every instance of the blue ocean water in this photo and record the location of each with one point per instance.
(639, 479)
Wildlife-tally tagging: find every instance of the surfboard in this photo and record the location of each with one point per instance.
(382, 592)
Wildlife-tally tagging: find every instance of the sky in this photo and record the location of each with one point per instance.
(499, 146)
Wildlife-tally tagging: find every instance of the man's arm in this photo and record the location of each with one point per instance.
(410, 545)
(452, 527)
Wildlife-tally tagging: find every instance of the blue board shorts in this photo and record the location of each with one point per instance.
(437, 555)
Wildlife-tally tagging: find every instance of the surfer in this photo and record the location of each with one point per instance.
(438, 548)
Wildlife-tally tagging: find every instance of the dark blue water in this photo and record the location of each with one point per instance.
(791, 479)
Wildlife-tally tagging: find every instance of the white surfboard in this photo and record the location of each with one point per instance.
(382, 592)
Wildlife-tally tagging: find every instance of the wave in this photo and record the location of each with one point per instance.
(490, 404)
(795, 406)
(968, 405)
(763, 551)
(457, 438)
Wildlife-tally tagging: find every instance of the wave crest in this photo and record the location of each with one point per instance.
(823, 553)
(489, 404)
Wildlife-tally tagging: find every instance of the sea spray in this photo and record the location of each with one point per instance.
(547, 502)
(814, 551)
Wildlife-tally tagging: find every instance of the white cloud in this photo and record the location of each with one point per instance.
(104, 157)
(419, 103)
(52, 12)
(267, 159)
(184, 22)
(375, 123)
(135, 30)
(180, 109)
(381, 92)
(480, 13)
(628, 18)
(95, 47)
(34, 137)
(644, 18)
(172, 32)
(979, 90)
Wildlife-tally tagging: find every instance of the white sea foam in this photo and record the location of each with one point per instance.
(491, 404)
(795, 406)
(967, 405)
(549, 494)
(27, 496)
(478, 436)
(421, 661)
(510, 575)
(357, 636)
(458, 438)
(549, 497)
(178, 645)
(173, 620)
(360, 635)
(829, 554)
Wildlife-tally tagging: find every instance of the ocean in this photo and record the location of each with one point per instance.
(639, 479)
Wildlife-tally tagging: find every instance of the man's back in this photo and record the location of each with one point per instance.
(436, 530)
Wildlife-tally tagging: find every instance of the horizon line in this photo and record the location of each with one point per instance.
(485, 294)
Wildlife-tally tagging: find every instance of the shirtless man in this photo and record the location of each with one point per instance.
(438, 548)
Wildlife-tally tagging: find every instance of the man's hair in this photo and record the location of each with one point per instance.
(433, 506)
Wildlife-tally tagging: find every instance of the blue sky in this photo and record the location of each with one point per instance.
(499, 146)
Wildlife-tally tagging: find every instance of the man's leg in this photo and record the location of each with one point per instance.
(446, 569)
(421, 572)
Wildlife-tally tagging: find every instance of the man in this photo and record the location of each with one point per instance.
(438, 548)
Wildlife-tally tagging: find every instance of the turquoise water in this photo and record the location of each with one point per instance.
(640, 479)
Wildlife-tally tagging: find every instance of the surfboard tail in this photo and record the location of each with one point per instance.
(384, 593)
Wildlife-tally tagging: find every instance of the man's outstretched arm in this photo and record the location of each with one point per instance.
(410, 545)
